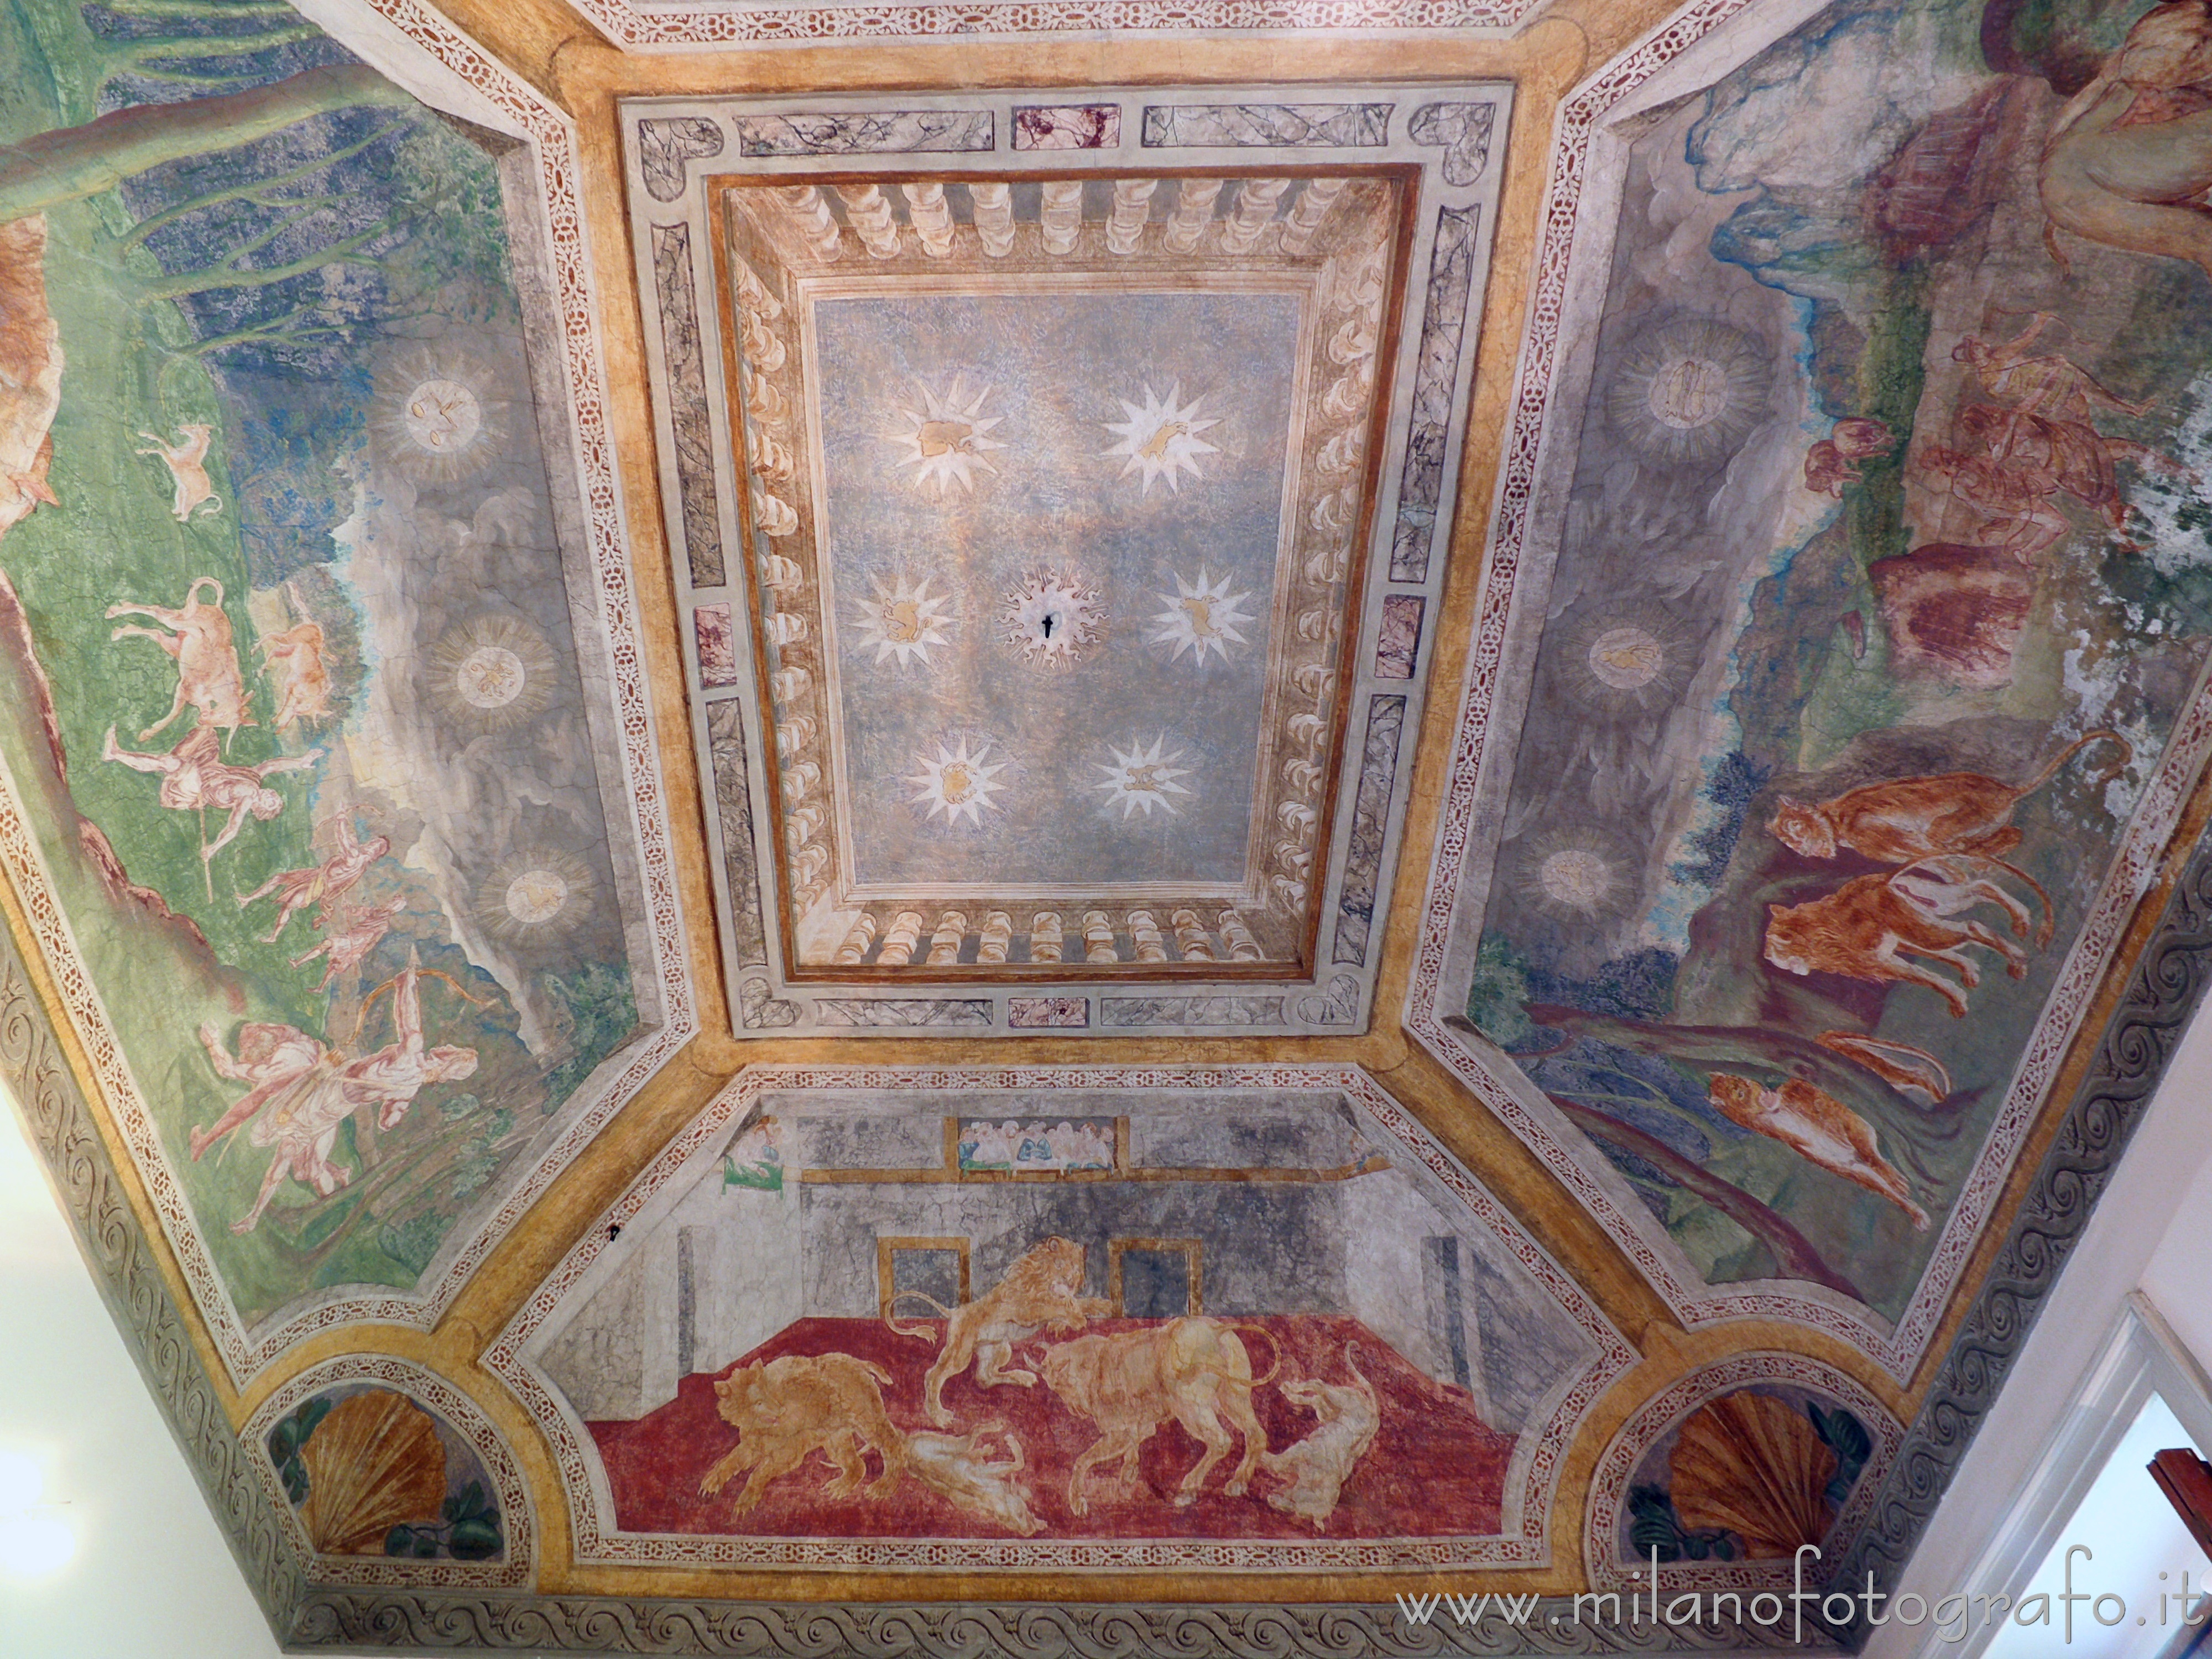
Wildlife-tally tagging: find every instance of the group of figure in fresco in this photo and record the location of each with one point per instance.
(1063, 1145)
(301, 1090)
(2017, 461)
(2035, 449)
(1127, 1385)
(2128, 165)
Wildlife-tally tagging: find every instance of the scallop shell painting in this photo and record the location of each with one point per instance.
(370, 1473)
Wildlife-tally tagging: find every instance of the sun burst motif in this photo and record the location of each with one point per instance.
(945, 438)
(904, 621)
(437, 414)
(958, 784)
(1630, 663)
(536, 896)
(1688, 392)
(1578, 873)
(1143, 778)
(492, 673)
(1201, 617)
(1162, 438)
(1053, 617)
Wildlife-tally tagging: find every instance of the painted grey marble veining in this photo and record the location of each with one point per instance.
(1464, 131)
(924, 131)
(1443, 328)
(1243, 126)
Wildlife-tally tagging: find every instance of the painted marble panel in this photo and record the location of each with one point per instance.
(1266, 125)
(1068, 126)
(1345, 1356)
(1879, 606)
(923, 131)
(293, 715)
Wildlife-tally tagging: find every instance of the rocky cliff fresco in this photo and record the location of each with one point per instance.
(292, 707)
(1884, 581)
(1084, 1317)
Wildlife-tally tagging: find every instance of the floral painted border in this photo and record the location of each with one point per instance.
(747, 22)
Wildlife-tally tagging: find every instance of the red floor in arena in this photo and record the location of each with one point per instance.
(1433, 1470)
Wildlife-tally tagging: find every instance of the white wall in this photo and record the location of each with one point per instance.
(153, 1577)
(2152, 1230)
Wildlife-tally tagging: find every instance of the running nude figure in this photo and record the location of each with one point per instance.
(195, 778)
(309, 1091)
(323, 884)
(356, 931)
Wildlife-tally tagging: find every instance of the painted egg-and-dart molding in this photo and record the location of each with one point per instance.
(1058, 491)
(1104, 863)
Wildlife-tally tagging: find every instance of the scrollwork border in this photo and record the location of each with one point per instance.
(2164, 989)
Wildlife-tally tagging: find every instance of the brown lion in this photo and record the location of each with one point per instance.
(786, 1409)
(1040, 1292)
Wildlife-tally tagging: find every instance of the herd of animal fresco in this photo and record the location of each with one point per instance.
(1883, 583)
(896, 1309)
(292, 699)
(1036, 1408)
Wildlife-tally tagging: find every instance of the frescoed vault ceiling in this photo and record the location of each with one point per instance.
(1196, 826)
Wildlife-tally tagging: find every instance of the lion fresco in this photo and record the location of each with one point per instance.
(1193, 1371)
(1040, 1292)
(1903, 820)
(786, 1409)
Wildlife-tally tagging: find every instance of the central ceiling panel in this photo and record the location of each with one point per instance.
(1057, 484)
(1075, 503)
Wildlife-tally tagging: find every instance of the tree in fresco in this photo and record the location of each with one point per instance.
(227, 223)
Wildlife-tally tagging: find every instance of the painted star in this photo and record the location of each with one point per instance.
(905, 620)
(1201, 617)
(1161, 438)
(956, 783)
(1143, 778)
(946, 436)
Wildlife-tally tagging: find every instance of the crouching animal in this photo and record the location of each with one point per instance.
(1192, 1371)
(1819, 1128)
(785, 1410)
(1040, 1292)
(959, 1469)
(1316, 1468)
